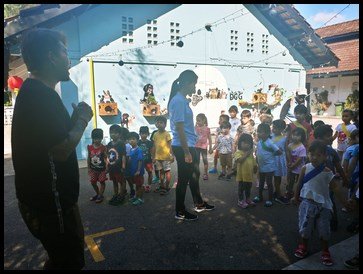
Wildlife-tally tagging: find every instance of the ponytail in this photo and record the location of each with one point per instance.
(174, 90)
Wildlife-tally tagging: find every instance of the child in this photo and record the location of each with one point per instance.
(315, 182)
(266, 152)
(324, 133)
(116, 164)
(222, 118)
(246, 166)
(353, 143)
(247, 126)
(224, 145)
(300, 112)
(265, 116)
(278, 126)
(146, 146)
(136, 168)
(96, 163)
(162, 155)
(343, 131)
(296, 157)
(235, 122)
(124, 138)
(204, 138)
(156, 178)
(315, 125)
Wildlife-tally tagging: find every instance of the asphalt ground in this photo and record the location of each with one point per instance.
(148, 237)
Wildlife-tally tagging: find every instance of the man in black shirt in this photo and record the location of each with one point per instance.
(44, 138)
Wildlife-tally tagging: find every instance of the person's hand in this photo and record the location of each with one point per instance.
(137, 173)
(210, 151)
(82, 111)
(188, 157)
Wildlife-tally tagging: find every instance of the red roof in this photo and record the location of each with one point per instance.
(338, 29)
(346, 51)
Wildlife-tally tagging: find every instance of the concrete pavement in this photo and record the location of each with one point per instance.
(341, 251)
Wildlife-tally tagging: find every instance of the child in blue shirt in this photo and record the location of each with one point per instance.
(136, 168)
(266, 152)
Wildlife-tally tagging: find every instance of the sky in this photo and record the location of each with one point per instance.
(318, 14)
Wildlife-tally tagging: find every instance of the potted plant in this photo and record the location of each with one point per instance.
(321, 103)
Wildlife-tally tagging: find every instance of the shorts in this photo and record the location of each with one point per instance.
(311, 212)
(162, 165)
(116, 177)
(97, 176)
(225, 160)
(137, 180)
(149, 167)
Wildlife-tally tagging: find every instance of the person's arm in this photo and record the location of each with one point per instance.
(334, 186)
(340, 170)
(351, 167)
(334, 136)
(139, 162)
(183, 141)
(61, 151)
(243, 158)
(299, 185)
(216, 144)
(298, 162)
(88, 160)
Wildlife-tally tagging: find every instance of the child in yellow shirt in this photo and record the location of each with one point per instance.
(246, 166)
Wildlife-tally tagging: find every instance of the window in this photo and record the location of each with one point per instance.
(177, 24)
(231, 31)
(155, 28)
(177, 37)
(171, 30)
(248, 39)
(235, 49)
(172, 37)
(131, 40)
(248, 34)
(124, 33)
(171, 23)
(131, 20)
(155, 42)
(232, 43)
(172, 43)
(155, 22)
(124, 26)
(149, 42)
(131, 33)
(177, 31)
(232, 49)
(251, 50)
(131, 27)
(123, 19)
(236, 43)
(148, 28)
(148, 22)
(232, 37)
(263, 52)
(124, 40)
(248, 50)
(155, 35)
(266, 51)
(263, 35)
(149, 35)
(235, 32)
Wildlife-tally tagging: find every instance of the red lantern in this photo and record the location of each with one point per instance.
(15, 82)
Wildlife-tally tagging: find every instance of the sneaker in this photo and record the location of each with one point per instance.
(137, 201)
(185, 215)
(205, 177)
(257, 199)
(301, 252)
(164, 191)
(99, 199)
(155, 180)
(94, 198)
(113, 199)
(326, 258)
(250, 203)
(282, 200)
(204, 207)
(221, 176)
(352, 263)
(242, 204)
(132, 199)
(228, 177)
(212, 170)
(147, 188)
(268, 204)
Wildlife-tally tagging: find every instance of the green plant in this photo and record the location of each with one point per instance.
(352, 101)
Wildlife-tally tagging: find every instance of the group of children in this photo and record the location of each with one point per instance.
(125, 159)
(299, 151)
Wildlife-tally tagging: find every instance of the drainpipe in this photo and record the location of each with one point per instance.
(93, 92)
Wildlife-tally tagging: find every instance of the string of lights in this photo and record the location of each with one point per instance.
(214, 24)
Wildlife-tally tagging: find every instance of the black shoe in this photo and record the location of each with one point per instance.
(352, 263)
(282, 200)
(228, 177)
(204, 207)
(185, 215)
(94, 198)
(221, 176)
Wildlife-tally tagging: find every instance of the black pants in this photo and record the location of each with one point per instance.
(65, 251)
(187, 173)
